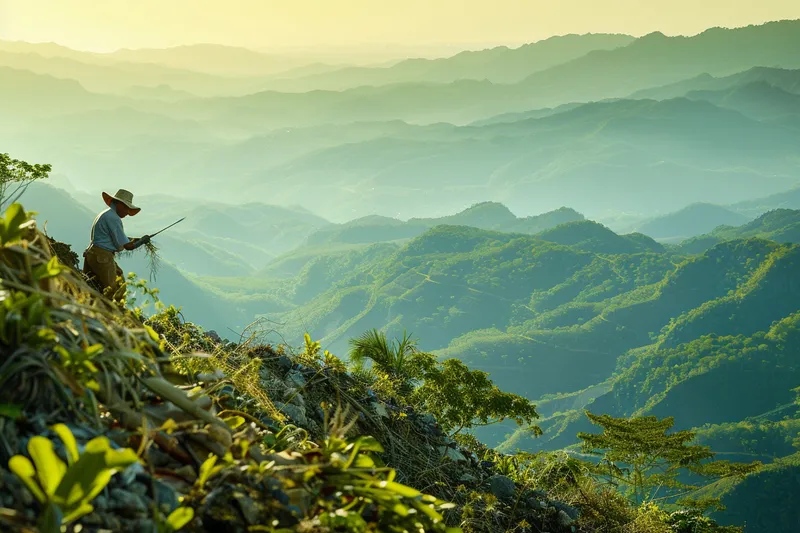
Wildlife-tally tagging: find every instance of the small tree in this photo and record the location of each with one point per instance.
(399, 360)
(461, 398)
(16, 176)
(639, 454)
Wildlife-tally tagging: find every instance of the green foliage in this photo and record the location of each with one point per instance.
(176, 520)
(779, 225)
(349, 488)
(15, 176)
(13, 224)
(594, 237)
(66, 490)
(693, 521)
(399, 361)
(461, 398)
(640, 455)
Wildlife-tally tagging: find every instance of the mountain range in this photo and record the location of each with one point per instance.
(713, 116)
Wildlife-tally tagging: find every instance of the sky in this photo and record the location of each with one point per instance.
(106, 25)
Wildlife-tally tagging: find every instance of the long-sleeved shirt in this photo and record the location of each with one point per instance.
(107, 231)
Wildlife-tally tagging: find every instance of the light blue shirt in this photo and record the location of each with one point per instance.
(107, 231)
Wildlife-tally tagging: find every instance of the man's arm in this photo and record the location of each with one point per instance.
(121, 241)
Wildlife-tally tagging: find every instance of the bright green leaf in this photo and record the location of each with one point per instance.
(234, 422)
(68, 439)
(24, 470)
(49, 468)
(180, 517)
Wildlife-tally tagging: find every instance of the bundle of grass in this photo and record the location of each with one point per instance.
(153, 259)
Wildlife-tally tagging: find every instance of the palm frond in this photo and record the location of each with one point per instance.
(371, 345)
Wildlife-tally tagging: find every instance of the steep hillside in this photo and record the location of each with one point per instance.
(780, 225)
(436, 283)
(594, 237)
(725, 352)
(747, 502)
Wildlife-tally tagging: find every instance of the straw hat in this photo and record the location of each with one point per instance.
(126, 197)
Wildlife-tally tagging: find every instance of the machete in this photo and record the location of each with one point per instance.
(156, 233)
(140, 242)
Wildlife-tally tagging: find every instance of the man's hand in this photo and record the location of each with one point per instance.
(141, 241)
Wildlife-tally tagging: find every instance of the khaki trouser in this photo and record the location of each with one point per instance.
(99, 266)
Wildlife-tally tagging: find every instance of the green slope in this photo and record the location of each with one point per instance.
(780, 225)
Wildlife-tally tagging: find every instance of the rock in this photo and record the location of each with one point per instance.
(211, 334)
(502, 487)
(128, 475)
(139, 489)
(563, 519)
(100, 503)
(112, 523)
(467, 478)
(145, 525)
(166, 497)
(248, 507)
(296, 378)
(573, 512)
(454, 455)
(295, 398)
(216, 514)
(127, 504)
(297, 414)
(284, 363)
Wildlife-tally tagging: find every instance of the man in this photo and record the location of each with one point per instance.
(108, 237)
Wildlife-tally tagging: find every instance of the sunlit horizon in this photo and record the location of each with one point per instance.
(104, 26)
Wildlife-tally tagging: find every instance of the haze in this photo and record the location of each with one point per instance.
(104, 25)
